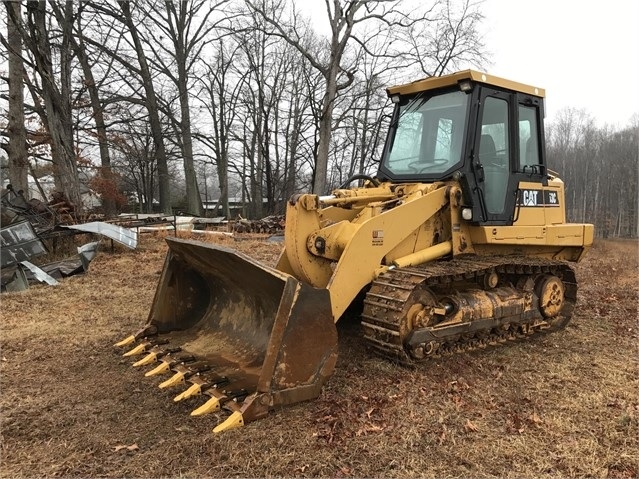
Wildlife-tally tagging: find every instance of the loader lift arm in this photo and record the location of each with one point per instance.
(359, 246)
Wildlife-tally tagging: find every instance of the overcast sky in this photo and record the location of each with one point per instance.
(584, 53)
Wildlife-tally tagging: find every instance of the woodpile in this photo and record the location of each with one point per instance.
(269, 225)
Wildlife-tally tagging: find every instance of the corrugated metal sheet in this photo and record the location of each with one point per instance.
(125, 236)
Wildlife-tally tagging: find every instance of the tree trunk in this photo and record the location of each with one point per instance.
(193, 199)
(17, 148)
(57, 102)
(153, 109)
(325, 129)
(105, 172)
(294, 139)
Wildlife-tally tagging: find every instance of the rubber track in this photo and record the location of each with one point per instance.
(385, 302)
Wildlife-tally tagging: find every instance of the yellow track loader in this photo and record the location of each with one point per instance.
(460, 242)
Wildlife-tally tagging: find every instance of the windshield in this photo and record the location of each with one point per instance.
(427, 138)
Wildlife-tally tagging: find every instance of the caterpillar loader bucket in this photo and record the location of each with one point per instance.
(245, 337)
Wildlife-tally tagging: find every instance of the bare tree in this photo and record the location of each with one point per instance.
(105, 176)
(450, 39)
(599, 166)
(222, 91)
(342, 21)
(187, 26)
(152, 106)
(16, 131)
(135, 159)
(296, 123)
(354, 22)
(56, 95)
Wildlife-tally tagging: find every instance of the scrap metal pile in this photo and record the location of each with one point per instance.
(26, 227)
(42, 216)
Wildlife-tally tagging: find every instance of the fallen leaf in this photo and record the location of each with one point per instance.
(442, 436)
(535, 419)
(132, 447)
(518, 424)
(463, 383)
(367, 429)
(470, 427)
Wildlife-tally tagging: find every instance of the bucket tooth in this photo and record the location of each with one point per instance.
(175, 380)
(168, 362)
(161, 369)
(234, 421)
(148, 359)
(200, 384)
(194, 390)
(147, 331)
(156, 353)
(139, 349)
(209, 406)
(125, 342)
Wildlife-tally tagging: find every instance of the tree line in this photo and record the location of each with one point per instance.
(174, 103)
(599, 165)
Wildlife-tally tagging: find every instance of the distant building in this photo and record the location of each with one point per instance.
(90, 199)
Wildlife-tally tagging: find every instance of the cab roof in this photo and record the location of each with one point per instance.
(452, 79)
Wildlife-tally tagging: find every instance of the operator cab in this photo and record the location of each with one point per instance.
(483, 131)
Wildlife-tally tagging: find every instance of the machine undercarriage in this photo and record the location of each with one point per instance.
(468, 303)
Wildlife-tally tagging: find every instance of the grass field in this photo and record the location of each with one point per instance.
(561, 405)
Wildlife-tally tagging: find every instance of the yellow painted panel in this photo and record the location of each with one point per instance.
(432, 83)
(534, 235)
(554, 235)
(542, 215)
(566, 235)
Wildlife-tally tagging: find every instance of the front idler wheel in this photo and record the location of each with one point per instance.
(551, 293)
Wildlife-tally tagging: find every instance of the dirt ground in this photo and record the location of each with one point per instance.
(562, 405)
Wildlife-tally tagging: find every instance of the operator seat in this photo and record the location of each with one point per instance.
(487, 150)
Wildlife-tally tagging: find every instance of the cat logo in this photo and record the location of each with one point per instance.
(530, 197)
(538, 198)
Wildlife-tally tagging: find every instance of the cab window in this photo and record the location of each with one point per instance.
(428, 136)
(528, 138)
(494, 153)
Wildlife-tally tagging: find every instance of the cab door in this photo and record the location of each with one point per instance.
(508, 150)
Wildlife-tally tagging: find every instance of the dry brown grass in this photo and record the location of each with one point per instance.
(563, 405)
